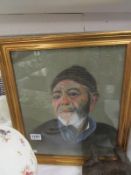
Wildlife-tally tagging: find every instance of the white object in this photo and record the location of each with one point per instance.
(5, 118)
(16, 155)
(59, 170)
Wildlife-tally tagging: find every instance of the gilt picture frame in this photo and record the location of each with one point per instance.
(31, 63)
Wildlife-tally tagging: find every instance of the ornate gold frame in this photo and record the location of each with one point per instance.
(24, 43)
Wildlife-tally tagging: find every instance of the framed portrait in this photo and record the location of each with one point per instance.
(70, 94)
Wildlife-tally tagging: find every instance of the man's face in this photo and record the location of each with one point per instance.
(69, 98)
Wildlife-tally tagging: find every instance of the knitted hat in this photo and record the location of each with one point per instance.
(78, 74)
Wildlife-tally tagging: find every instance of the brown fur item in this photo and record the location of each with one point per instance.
(121, 166)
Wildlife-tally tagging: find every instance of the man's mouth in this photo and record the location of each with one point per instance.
(65, 109)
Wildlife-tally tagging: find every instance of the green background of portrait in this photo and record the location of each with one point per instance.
(35, 71)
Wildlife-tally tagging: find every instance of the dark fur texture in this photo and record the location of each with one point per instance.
(121, 166)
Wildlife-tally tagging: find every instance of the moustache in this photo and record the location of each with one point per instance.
(66, 108)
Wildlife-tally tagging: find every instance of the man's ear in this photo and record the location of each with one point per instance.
(94, 99)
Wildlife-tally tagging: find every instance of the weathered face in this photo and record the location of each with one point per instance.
(69, 97)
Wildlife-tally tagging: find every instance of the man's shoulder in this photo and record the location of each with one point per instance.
(104, 127)
(104, 130)
(50, 125)
(103, 137)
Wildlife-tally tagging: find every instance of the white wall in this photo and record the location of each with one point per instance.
(64, 23)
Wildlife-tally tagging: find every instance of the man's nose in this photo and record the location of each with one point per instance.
(65, 99)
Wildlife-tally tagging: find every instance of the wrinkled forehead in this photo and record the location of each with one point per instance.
(68, 84)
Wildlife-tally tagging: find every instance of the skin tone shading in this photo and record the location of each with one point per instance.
(72, 99)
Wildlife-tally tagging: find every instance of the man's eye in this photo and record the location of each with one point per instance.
(56, 96)
(73, 94)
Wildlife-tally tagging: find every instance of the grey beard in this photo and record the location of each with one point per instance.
(78, 117)
(84, 111)
(75, 120)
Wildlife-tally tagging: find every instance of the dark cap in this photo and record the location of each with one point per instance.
(78, 74)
